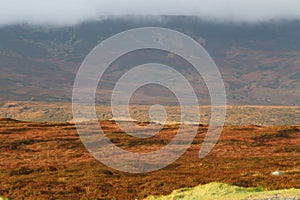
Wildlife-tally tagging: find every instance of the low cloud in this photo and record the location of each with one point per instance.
(70, 12)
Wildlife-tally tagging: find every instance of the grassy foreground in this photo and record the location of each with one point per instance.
(48, 161)
(221, 191)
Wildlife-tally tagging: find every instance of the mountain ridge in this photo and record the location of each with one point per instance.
(259, 63)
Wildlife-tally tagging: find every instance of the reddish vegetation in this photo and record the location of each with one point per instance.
(48, 161)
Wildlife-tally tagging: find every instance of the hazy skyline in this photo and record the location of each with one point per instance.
(70, 12)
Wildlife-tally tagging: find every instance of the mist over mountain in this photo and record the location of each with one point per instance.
(259, 62)
(74, 12)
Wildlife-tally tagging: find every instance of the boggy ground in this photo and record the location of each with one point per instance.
(48, 161)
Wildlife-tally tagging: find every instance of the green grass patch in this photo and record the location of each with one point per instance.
(222, 191)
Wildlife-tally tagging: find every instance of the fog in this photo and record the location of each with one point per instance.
(70, 12)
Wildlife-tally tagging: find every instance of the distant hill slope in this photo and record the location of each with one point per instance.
(221, 191)
(260, 63)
